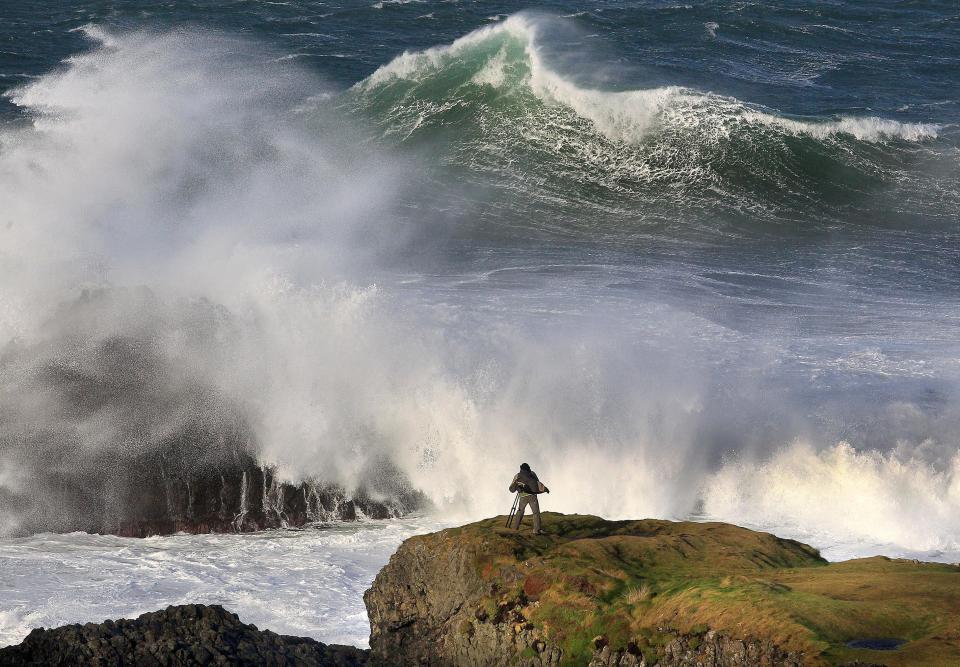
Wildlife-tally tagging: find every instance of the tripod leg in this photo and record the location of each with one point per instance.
(513, 510)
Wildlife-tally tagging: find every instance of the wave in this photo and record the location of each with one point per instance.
(507, 55)
(525, 120)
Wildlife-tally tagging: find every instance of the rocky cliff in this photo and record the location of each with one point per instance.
(677, 594)
(240, 495)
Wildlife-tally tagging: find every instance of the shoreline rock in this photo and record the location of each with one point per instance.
(247, 497)
(176, 636)
(196, 485)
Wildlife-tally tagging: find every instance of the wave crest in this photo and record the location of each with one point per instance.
(509, 55)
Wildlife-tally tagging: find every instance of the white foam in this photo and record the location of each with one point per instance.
(303, 583)
(382, 3)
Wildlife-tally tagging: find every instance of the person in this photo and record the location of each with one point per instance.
(529, 486)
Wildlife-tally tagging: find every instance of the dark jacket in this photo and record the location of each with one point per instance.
(526, 482)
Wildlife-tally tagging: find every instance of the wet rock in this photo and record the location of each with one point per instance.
(177, 636)
(243, 496)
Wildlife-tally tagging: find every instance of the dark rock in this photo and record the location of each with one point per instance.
(176, 636)
(203, 481)
(719, 650)
(243, 496)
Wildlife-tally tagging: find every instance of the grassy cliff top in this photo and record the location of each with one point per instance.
(635, 581)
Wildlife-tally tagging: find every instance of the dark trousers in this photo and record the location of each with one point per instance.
(530, 500)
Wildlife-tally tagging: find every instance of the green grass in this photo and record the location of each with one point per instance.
(625, 579)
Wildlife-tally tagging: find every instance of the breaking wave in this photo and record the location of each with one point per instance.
(507, 57)
(528, 119)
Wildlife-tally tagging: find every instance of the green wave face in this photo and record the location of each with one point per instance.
(491, 110)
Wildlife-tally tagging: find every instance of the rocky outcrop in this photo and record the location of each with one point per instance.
(428, 606)
(240, 495)
(482, 596)
(202, 479)
(178, 489)
(177, 636)
(650, 592)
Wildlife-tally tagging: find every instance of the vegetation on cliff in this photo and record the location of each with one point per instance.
(640, 585)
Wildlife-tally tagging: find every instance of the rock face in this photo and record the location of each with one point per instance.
(469, 597)
(184, 635)
(707, 650)
(243, 496)
(199, 481)
(429, 606)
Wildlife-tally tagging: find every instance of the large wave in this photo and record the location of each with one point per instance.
(507, 56)
(194, 238)
(538, 124)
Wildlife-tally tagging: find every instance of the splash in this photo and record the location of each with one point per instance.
(842, 494)
(179, 212)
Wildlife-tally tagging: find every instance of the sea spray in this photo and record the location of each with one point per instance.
(840, 494)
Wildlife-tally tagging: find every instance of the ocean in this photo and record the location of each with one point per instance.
(687, 260)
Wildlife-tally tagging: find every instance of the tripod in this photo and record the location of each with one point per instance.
(513, 510)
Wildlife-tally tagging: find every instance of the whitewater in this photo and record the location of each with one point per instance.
(718, 286)
(302, 583)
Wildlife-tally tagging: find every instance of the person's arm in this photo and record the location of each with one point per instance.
(513, 485)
